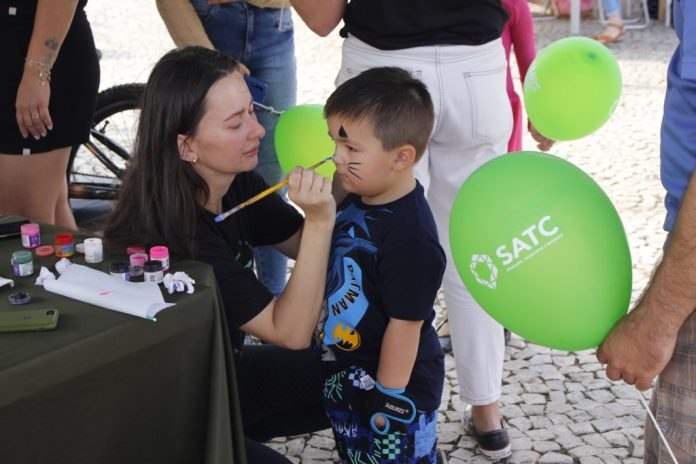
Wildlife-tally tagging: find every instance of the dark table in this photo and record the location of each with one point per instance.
(107, 387)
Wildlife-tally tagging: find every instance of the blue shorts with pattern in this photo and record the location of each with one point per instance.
(357, 442)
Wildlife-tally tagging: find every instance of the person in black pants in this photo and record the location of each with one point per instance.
(48, 89)
(197, 146)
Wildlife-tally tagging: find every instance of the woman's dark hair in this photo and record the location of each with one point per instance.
(160, 194)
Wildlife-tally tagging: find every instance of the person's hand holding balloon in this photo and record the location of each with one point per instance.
(543, 143)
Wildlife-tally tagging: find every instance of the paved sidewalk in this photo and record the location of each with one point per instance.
(560, 407)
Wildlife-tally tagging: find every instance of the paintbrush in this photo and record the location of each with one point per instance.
(221, 217)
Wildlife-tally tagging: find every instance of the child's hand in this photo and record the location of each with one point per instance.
(543, 144)
(380, 421)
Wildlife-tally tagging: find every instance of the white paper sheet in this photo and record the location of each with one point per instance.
(143, 299)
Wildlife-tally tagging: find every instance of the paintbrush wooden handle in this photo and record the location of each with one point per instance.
(265, 193)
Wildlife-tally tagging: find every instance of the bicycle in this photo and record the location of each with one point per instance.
(96, 167)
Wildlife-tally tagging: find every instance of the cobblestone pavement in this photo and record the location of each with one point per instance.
(559, 406)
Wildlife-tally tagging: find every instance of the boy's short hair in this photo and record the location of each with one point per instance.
(397, 104)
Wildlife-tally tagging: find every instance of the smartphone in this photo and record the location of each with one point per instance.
(11, 229)
(257, 88)
(28, 320)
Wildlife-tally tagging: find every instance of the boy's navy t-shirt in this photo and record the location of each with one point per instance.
(386, 262)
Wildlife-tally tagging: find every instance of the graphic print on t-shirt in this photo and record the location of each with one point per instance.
(346, 303)
(245, 255)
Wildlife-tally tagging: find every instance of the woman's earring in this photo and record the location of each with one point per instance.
(194, 160)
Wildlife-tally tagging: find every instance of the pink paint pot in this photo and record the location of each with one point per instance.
(160, 253)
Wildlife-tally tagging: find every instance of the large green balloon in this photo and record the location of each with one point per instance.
(572, 88)
(542, 250)
(302, 139)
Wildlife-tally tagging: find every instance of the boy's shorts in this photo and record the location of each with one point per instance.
(356, 441)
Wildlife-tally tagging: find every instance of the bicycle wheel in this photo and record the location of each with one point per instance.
(96, 167)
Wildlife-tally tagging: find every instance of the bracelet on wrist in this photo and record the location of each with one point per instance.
(37, 64)
(44, 70)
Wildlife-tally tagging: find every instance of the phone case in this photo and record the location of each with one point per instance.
(257, 88)
(28, 320)
(11, 229)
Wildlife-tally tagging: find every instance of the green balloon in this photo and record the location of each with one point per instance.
(302, 139)
(540, 247)
(572, 88)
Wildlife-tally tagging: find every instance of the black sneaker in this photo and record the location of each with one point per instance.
(495, 444)
(446, 343)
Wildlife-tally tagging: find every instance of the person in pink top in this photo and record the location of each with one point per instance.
(519, 34)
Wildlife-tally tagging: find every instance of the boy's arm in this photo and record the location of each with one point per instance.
(397, 357)
(321, 16)
(398, 354)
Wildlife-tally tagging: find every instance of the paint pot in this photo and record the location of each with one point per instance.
(94, 250)
(22, 264)
(44, 250)
(160, 253)
(64, 245)
(137, 261)
(134, 249)
(153, 271)
(31, 235)
(119, 269)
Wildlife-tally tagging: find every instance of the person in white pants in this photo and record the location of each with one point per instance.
(455, 48)
(473, 122)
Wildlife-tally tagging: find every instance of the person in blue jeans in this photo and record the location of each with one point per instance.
(615, 29)
(258, 33)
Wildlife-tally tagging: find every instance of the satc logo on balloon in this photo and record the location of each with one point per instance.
(541, 248)
(302, 139)
(572, 88)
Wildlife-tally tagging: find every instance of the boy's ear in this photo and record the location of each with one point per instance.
(405, 157)
(183, 144)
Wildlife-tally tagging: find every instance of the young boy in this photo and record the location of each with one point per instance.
(383, 365)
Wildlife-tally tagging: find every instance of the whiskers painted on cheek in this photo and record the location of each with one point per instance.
(353, 170)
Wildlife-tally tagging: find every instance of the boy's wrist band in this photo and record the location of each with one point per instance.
(389, 391)
(390, 404)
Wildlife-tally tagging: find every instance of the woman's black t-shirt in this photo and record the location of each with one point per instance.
(398, 24)
(227, 246)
